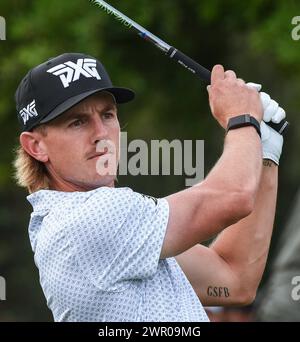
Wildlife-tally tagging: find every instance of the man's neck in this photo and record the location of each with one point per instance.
(62, 185)
(57, 183)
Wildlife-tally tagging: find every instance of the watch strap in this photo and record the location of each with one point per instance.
(243, 121)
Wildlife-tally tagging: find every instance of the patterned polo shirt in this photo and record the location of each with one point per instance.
(98, 258)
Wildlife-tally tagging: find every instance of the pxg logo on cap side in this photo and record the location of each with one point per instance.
(70, 72)
(28, 112)
(2, 28)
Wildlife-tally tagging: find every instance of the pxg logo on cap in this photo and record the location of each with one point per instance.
(28, 112)
(70, 71)
(53, 87)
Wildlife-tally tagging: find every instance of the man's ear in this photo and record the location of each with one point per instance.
(33, 144)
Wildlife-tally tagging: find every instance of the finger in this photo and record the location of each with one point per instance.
(240, 81)
(230, 74)
(217, 74)
(265, 131)
(279, 115)
(270, 111)
(265, 99)
(255, 86)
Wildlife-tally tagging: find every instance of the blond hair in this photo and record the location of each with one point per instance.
(30, 173)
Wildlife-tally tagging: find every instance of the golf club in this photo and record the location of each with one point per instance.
(172, 52)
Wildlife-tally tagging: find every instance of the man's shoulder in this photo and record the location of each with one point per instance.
(50, 198)
(108, 194)
(101, 203)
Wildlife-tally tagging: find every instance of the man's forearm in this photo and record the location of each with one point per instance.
(240, 164)
(245, 245)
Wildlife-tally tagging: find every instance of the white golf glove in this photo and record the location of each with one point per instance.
(272, 141)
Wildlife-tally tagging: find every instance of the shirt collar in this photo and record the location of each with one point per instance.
(46, 199)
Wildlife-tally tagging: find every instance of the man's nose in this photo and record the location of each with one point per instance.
(100, 131)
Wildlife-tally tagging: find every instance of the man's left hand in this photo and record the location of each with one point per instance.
(272, 141)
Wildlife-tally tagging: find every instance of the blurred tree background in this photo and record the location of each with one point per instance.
(253, 38)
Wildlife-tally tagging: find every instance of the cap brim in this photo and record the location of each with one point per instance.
(122, 95)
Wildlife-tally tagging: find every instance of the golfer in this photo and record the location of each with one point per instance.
(112, 254)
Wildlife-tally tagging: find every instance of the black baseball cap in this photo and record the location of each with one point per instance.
(60, 83)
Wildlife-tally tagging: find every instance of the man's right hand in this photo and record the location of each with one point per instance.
(229, 96)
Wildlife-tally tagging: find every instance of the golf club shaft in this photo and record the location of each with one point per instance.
(172, 52)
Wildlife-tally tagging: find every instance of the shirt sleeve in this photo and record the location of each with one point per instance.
(117, 236)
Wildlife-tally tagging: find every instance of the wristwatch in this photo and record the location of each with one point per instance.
(243, 121)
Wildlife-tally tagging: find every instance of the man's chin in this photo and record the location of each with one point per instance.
(92, 182)
(101, 181)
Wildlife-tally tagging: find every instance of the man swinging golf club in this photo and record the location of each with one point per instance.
(112, 254)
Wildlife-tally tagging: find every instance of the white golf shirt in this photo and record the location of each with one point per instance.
(98, 257)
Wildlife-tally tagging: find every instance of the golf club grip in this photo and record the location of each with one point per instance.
(205, 75)
(190, 64)
(281, 127)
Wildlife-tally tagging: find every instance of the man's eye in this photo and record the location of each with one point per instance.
(108, 115)
(77, 123)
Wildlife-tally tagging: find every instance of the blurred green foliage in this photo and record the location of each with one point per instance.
(253, 38)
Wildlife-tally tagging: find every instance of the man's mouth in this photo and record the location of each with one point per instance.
(96, 155)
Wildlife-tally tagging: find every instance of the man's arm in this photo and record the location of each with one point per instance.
(229, 272)
(228, 192)
(223, 198)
